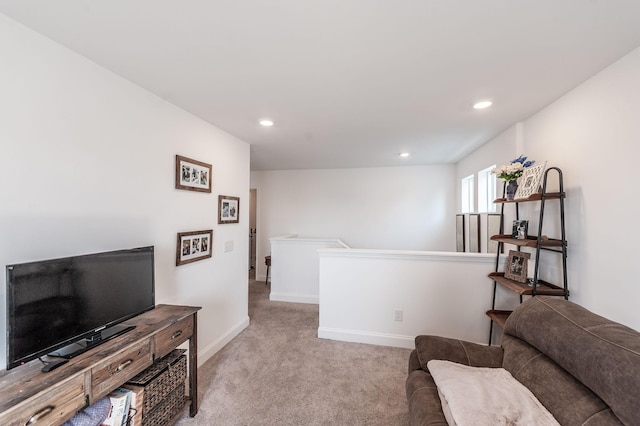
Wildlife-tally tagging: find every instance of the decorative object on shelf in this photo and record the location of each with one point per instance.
(228, 209)
(519, 230)
(510, 191)
(193, 246)
(510, 174)
(493, 228)
(474, 233)
(530, 181)
(516, 267)
(460, 233)
(193, 175)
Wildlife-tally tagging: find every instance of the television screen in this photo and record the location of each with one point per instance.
(53, 303)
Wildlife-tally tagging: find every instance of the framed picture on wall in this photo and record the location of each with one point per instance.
(460, 232)
(228, 209)
(516, 267)
(193, 246)
(193, 175)
(474, 233)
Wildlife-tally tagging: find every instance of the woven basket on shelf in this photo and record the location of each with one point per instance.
(166, 410)
(164, 388)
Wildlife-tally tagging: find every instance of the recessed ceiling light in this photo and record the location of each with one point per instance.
(482, 104)
(266, 123)
(404, 154)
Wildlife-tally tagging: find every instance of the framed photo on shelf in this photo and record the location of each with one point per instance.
(516, 267)
(193, 246)
(460, 233)
(228, 209)
(193, 175)
(474, 233)
(493, 228)
(529, 182)
(520, 229)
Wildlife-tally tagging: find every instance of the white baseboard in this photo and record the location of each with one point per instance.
(214, 347)
(355, 336)
(311, 299)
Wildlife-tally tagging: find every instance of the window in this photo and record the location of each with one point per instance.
(466, 193)
(486, 190)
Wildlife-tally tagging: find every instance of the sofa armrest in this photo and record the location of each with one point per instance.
(460, 351)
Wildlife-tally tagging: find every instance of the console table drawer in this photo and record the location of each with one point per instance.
(117, 369)
(56, 405)
(174, 335)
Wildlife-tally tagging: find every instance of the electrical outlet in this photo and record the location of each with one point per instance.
(397, 314)
(228, 246)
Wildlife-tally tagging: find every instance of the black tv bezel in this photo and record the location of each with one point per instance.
(85, 334)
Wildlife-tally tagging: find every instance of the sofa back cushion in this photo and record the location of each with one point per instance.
(570, 402)
(598, 354)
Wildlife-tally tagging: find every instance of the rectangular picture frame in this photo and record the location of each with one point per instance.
(516, 266)
(529, 182)
(520, 229)
(194, 246)
(460, 237)
(228, 209)
(474, 233)
(193, 175)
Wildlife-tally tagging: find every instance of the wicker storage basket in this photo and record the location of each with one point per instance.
(166, 410)
(164, 388)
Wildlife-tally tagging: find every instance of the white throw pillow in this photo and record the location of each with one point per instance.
(486, 396)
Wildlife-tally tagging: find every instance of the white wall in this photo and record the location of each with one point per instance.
(405, 208)
(592, 134)
(295, 267)
(500, 150)
(87, 165)
(445, 294)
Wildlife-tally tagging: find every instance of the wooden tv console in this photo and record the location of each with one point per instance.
(31, 397)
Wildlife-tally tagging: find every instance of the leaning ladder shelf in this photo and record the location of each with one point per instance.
(538, 242)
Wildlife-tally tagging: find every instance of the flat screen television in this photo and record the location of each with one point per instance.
(63, 307)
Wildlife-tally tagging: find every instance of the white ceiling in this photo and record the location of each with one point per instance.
(349, 83)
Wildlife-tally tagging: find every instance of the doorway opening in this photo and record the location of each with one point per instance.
(252, 233)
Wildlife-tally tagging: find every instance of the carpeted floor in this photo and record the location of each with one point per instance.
(277, 372)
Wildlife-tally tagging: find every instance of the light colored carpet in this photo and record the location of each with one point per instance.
(277, 372)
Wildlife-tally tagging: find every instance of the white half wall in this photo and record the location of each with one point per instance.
(87, 164)
(438, 293)
(295, 265)
(393, 208)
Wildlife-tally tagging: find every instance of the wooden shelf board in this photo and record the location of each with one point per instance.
(542, 289)
(532, 197)
(499, 317)
(531, 241)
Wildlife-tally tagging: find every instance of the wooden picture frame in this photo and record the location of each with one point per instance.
(228, 209)
(529, 182)
(516, 266)
(460, 237)
(493, 228)
(193, 246)
(474, 233)
(193, 175)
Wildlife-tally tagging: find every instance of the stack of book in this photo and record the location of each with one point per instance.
(120, 403)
